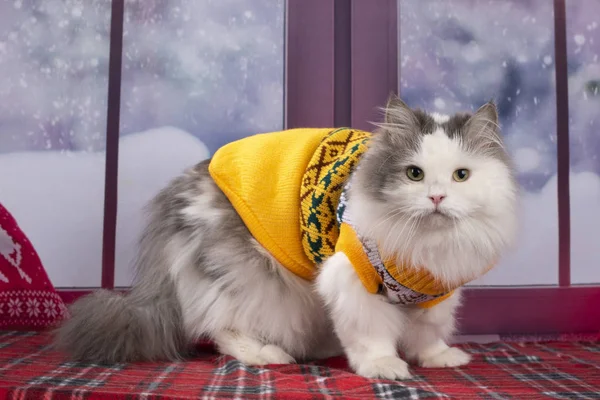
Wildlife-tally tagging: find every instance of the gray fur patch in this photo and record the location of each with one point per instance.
(147, 323)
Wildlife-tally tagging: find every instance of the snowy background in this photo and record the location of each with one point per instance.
(213, 68)
(57, 197)
(200, 73)
(583, 47)
(196, 74)
(457, 54)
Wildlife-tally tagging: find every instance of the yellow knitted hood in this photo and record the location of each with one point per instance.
(261, 176)
(288, 189)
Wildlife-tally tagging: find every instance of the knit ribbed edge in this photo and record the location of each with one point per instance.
(437, 300)
(418, 279)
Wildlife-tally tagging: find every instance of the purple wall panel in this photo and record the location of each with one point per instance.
(374, 58)
(511, 310)
(310, 63)
(530, 310)
(342, 63)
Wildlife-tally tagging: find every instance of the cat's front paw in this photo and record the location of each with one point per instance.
(252, 353)
(389, 367)
(272, 354)
(451, 357)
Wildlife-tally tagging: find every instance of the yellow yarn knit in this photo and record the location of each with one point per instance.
(286, 187)
(326, 174)
(261, 176)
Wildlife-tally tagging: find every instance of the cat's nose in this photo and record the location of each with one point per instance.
(437, 199)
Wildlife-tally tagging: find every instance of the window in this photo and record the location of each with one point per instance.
(54, 64)
(455, 56)
(195, 76)
(448, 58)
(111, 99)
(583, 51)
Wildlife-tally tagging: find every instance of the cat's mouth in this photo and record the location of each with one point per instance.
(440, 213)
(438, 219)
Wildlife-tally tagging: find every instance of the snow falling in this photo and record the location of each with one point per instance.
(196, 74)
(211, 67)
(200, 73)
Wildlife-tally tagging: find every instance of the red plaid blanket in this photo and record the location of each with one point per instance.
(30, 369)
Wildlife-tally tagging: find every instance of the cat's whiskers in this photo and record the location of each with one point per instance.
(401, 257)
(396, 237)
(407, 241)
(472, 232)
(455, 237)
(389, 215)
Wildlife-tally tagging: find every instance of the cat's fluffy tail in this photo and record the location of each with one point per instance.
(108, 327)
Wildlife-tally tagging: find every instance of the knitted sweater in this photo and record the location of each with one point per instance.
(289, 189)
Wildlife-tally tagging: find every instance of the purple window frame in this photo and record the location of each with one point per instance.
(341, 63)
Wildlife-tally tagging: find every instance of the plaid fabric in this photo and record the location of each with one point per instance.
(29, 369)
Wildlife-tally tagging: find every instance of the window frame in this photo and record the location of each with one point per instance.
(309, 98)
(342, 63)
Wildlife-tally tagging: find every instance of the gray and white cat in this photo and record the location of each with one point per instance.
(202, 275)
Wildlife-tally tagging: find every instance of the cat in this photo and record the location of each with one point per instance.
(432, 190)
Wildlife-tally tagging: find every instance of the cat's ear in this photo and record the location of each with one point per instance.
(487, 113)
(482, 128)
(398, 114)
(484, 120)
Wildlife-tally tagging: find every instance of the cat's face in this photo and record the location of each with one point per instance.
(439, 170)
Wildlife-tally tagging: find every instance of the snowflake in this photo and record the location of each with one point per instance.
(63, 309)
(1, 307)
(50, 308)
(33, 307)
(14, 307)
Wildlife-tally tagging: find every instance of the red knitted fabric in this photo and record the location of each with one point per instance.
(28, 300)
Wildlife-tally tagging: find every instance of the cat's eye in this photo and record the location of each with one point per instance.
(414, 173)
(461, 175)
